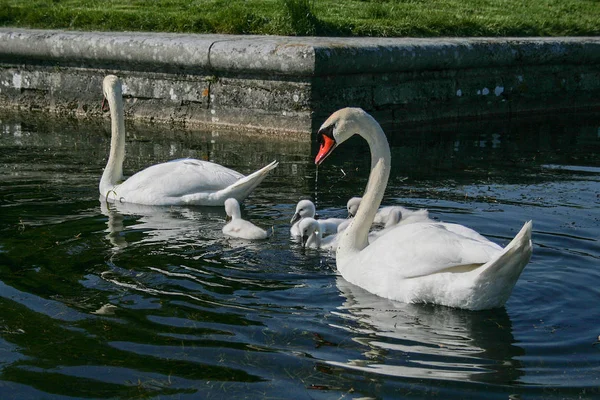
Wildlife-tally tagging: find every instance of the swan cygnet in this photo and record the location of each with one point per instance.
(393, 218)
(312, 236)
(383, 213)
(421, 262)
(238, 227)
(386, 216)
(307, 209)
(179, 182)
(352, 207)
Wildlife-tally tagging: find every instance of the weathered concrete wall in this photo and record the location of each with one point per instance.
(243, 81)
(290, 84)
(401, 80)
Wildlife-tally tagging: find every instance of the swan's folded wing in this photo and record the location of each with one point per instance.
(420, 249)
(468, 232)
(254, 178)
(213, 176)
(180, 177)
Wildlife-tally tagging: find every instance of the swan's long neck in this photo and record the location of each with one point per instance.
(113, 173)
(355, 237)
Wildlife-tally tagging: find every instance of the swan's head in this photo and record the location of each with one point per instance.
(309, 227)
(112, 85)
(232, 209)
(304, 209)
(338, 128)
(352, 206)
(112, 89)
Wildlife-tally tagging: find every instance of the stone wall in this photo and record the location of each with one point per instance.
(289, 85)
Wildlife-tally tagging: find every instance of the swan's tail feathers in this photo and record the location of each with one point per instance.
(504, 270)
(243, 187)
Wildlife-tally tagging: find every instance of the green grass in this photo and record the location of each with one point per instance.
(416, 18)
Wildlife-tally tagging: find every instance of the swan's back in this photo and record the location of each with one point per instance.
(168, 182)
(441, 263)
(425, 248)
(182, 176)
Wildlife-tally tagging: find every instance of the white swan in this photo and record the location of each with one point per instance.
(423, 262)
(312, 235)
(179, 182)
(238, 227)
(306, 209)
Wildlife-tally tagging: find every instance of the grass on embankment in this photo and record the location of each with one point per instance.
(416, 18)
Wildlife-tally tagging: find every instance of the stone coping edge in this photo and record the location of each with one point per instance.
(288, 56)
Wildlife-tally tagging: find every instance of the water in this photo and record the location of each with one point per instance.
(130, 301)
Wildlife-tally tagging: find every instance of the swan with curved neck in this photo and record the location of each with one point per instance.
(179, 182)
(421, 262)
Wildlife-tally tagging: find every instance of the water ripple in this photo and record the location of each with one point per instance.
(119, 301)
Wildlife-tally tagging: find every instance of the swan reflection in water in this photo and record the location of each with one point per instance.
(172, 231)
(171, 226)
(191, 238)
(428, 341)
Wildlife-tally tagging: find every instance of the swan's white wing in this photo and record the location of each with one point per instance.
(467, 232)
(419, 249)
(180, 177)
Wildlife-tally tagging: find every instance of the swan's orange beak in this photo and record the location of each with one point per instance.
(327, 144)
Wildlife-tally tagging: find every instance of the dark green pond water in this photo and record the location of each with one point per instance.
(133, 302)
